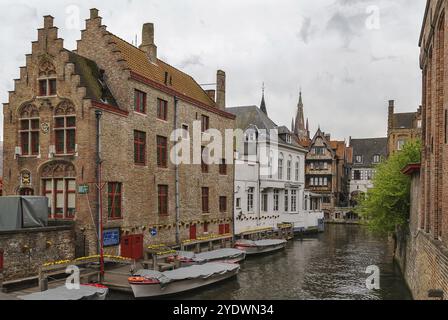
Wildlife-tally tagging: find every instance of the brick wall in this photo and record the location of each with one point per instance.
(26, 250)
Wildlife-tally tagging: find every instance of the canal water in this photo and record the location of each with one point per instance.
(331, 265)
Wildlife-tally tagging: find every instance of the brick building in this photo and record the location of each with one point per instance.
(423, 249)
(50, 140)
(402, 127)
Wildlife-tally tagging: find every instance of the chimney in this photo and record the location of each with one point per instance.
(148, 42)
(211, 94)
(221, 89)
(390, 117)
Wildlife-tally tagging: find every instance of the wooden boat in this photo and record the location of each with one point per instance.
(226, 255)
(260, 246)
(150, 283)
(85, 292)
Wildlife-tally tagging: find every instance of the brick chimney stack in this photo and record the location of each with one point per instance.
(390, 117)
(221, 89)
(148, 42)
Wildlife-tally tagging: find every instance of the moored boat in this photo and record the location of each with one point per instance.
(150, 283)
(260, 246)
(85, 292)
(229, 255)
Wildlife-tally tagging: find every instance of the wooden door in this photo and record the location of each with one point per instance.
(193, 232)
(132, 246)
(137, 247)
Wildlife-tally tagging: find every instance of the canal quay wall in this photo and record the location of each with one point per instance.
(24, 251)
(423, 260)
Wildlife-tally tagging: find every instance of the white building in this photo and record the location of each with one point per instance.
(367, 153)
(269, 180)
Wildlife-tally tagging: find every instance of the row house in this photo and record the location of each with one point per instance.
(327, 172)
(367, 154)
(269, 182)
(112, 105)
(402, 127)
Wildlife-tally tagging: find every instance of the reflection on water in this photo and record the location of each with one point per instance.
(331, 265)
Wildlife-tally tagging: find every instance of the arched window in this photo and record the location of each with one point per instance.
(65, 128)
(280, 166)
(47, 79)
(288, 169)
(29, 128)
(59, 186)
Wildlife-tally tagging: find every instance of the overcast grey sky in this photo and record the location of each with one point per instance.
(349, 56)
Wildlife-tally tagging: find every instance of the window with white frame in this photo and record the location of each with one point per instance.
(288, 170)
(376, 158)
(264, 202)
(400, 144)
(293, 200)
(250, 199)
(61, 194)
(276, 200)
(286, 201)
(280, 169)
(297, 171)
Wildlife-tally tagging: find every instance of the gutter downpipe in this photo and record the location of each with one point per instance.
(98, 114)
(176, 166)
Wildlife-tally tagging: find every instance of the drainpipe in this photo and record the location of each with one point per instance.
(176, 100)
(98, 114)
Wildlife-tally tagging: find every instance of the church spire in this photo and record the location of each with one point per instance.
(263, 103)
(299, 127)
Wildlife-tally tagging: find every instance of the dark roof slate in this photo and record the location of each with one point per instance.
(248, 116)
(368, 148)
(404, 120)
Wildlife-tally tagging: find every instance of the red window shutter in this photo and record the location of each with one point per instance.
(227, 228)
(221, 229)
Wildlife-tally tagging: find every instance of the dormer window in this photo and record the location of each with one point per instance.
(376, 158)
(358, 159)
(288, 138)
(47, 87)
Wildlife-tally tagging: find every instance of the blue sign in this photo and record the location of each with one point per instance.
(153, 232)
(111, 237)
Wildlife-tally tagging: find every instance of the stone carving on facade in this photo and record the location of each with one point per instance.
(46, 67)
(25, 178)
(29, 110)
(58, 169)
(66, 107)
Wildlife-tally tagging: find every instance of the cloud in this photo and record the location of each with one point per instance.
(347, 72)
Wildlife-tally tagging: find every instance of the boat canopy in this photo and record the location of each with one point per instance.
(62, 293)
(193, 272)
(228, 253)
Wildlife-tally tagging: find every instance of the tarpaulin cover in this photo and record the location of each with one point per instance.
(62, 293)
(23, 212)
(10, 213)
(211, 255)
(193, 272)
(263, 243)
